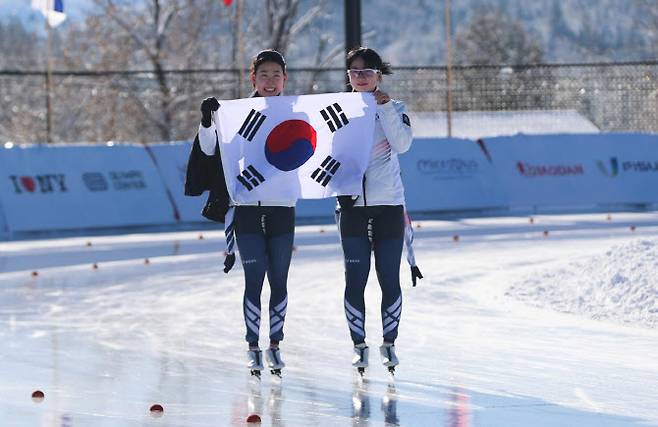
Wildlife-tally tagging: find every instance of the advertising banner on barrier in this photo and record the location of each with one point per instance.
(76, 187)
(171, 161)
(449, 174)
(627, 165)
(576, 170)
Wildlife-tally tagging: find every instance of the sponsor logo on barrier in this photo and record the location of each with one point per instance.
(127, 180)
(95, 181)
(639, 166)
(627, 166)
(526, 169)
(50, 183)
(614, 167)
(448, 168)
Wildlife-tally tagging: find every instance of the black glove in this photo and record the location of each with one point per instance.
(215, 209)
(229, 261)
(415, 274)
(207, 107)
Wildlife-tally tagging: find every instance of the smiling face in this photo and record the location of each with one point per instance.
(363, 81)
(269, 79)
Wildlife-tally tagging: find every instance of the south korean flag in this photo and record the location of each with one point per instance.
(295, 147)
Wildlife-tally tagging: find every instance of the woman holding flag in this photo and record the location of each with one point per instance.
(264, 230)
(375, 221)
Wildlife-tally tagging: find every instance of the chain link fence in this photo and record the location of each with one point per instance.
(140, 106)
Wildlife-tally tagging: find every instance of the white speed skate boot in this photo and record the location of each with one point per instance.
(389, 358)
(360, 359)
(255, 361)
(274, 361)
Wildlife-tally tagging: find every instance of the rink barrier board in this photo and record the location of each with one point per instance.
(171, 161)
(72, 187)
(64, 187)
(576, 170)
(449, 175)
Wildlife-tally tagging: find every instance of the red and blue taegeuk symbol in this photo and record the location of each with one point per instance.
(290, 144)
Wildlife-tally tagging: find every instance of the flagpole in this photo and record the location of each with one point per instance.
(238, 17)
(49, 119)
(448, 67)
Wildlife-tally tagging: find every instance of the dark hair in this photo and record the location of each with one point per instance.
(371, 59)
(268, 55)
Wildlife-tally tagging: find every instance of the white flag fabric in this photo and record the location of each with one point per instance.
(53, 10)
(295, 147)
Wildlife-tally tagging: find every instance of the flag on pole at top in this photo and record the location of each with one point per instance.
(53, 10)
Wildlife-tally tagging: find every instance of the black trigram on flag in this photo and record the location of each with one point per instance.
(251, 125)
(326, 171)
(334, 116)
(250, 178)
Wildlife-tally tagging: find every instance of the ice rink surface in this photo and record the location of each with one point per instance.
(481, 343)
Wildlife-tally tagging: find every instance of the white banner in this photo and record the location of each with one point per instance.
(290, 147)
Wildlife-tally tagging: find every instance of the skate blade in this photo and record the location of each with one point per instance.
(391, 371)
(255, 373)
(276, 372)
(361, 371)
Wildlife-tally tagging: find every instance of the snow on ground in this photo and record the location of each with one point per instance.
(105, 344)
(620, 285)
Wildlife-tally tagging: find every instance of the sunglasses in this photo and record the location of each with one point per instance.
(366, 72)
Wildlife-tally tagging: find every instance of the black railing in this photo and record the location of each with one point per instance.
(143, 106)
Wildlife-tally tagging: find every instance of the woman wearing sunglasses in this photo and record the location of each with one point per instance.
(374, 220)
(264, 231)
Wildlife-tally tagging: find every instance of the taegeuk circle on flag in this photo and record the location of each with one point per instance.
(290, 144)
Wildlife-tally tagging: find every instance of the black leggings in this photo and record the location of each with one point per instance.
(264, 235)
(378, 229)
